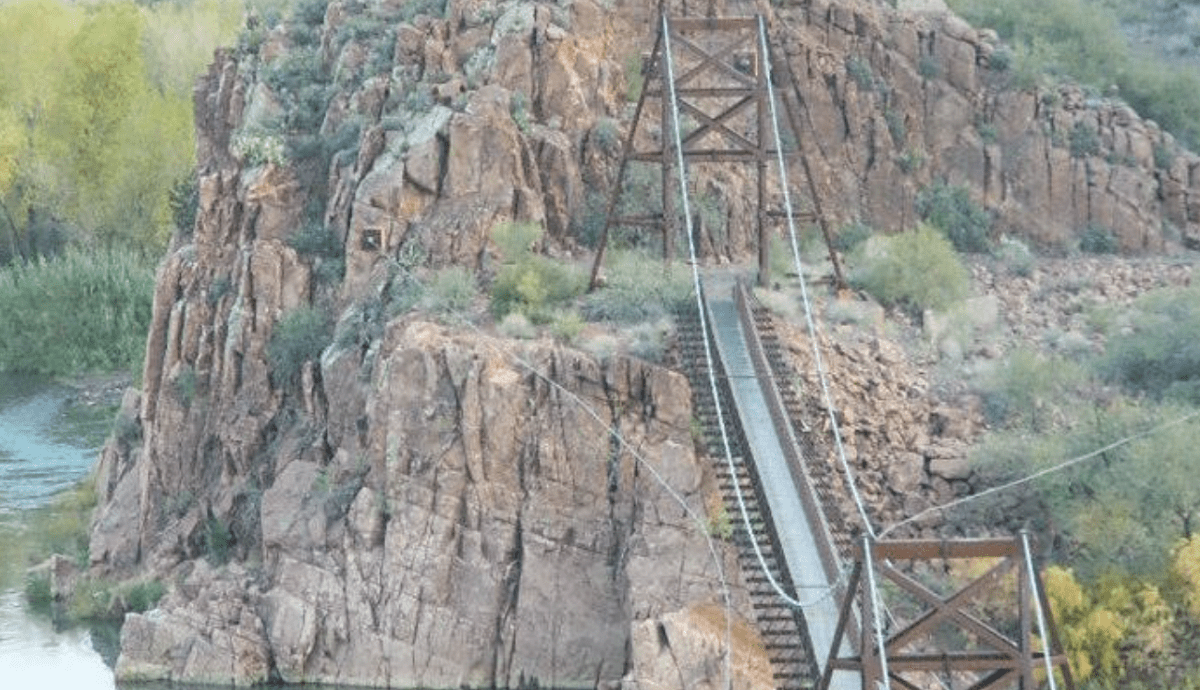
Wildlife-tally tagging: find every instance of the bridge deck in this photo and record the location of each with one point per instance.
(796, 535)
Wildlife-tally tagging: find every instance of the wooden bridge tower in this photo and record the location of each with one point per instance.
(720, 87)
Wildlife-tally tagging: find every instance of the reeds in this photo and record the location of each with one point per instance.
(85, 311)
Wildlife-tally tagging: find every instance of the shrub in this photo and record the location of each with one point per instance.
(566, 325)
(607, 133)
(1015, 256)
(1097, 239)
(916, 271)
(860, 71)
(185, 202)
(950, 209)
(299, 337)
(516, 239)
(258, 149)
(895, 126)
(534, 286)
(218, 539)
(518, 107)
(451, 290)
(144, 595)
(1158, 355)
(515, 325)
(83, 311)
(638, 288)
(1025, 390)
(1001, 59)
(910, 160)
(928, 67)
(316, 239)
(1084, 140)
(634, 77)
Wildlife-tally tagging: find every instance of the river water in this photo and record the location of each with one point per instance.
(47, 444)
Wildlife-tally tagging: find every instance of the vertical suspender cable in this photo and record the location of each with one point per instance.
(808, 310)
(869, 563)
(1037, 607)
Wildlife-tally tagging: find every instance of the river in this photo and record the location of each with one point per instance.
(47, 444)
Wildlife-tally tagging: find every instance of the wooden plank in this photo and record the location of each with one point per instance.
(931, 549)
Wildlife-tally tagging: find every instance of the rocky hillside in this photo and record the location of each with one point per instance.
(418, 486)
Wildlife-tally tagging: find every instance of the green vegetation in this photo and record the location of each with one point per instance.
(451, 290)
(62, 528)
(639, 288)
(1082, 40)
(1125, 519)
(96, 117)
(1158, 356)
(534, 285)
(1097, 239)
(915, 271)
(949, 208)
(299, 337)
(83, 312)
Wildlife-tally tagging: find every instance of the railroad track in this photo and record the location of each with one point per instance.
(782, 628)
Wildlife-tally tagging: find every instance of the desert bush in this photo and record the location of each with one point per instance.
(81, 312)
(566, 325)
(1084, 141)
(516, 239)
(634, 77)
(1015, 256)
(1027, 390)
(218, 541)
(1097, 239)
(860, 71)
(451, 290)
(299, 337)
(915, 270)
(515, 325)
(535, 286)
(950, 209)
(607, 134)
(185, 202)
(1158, 355)
(638, 288)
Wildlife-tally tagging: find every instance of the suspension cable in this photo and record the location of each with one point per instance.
(708, 355)
(827, 396)
(1043, 472)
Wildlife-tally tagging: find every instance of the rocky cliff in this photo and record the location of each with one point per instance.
(432, 505)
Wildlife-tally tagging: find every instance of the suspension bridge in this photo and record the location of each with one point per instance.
(816, 585)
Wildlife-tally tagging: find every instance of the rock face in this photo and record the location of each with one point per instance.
(893, 101)
(418, 507)
(415, 507)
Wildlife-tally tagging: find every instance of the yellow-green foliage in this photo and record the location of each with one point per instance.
(915, 270)
(1109, 625)
(534, 285)
(96, 113)
(1185, 572)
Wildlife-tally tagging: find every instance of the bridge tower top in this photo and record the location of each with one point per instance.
(720, 95)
